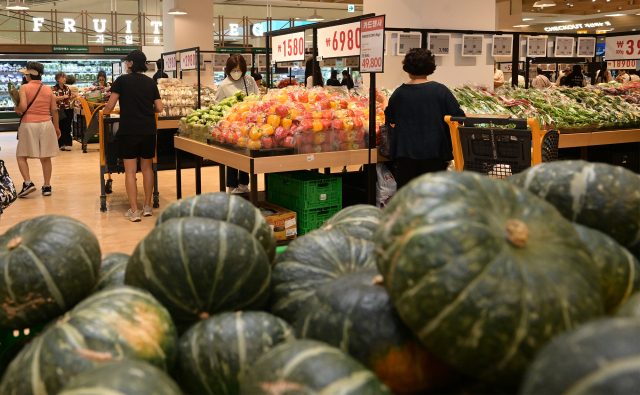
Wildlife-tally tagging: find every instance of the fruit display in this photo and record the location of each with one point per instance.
(112, 270)
(287, 82)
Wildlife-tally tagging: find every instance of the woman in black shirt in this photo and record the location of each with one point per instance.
(333, 81)
(421, 141)
(576, 78)
(347, 80)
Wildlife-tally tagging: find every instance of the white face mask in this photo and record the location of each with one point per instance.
(235, 75)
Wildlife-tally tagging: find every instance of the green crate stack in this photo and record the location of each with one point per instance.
(313, 196)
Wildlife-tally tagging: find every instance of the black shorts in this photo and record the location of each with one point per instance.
(137, 146)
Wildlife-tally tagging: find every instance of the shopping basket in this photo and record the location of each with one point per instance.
(90, 110)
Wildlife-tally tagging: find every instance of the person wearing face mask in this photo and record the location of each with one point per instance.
(237, 80)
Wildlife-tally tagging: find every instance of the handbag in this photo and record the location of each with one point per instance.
(25, 111)
(386, 131)
(8, 193)
(61, 114)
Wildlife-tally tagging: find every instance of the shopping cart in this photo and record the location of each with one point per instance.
(90, 111)
(110, 161)
(500, 147)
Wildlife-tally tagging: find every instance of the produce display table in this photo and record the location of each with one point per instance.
(599, 137)
(263, 165)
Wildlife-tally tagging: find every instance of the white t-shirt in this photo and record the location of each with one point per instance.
(229, 87)
(541, 82)
(498, 76)
(634, 77)
(521, 80)
(625, 78)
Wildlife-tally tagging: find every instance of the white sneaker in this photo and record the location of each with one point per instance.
(133, 216)
(235, 191)
(244, 188)
(147, 211)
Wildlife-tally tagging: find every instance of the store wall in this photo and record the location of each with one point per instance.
(452, 70)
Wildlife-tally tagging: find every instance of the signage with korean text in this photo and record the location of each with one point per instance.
(622, 47)
(586, 47)
(621, 65)
(536, 46)
(439, 44)
(188, 60)
(339, 41)
(170, 62)
(372, 45)
(407, 41)
(564, 47)
(110, 49)
(288, 47)
(502, 45)
(472, 44)
(69, 49)
(219, 61)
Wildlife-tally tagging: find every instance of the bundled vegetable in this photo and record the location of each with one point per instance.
(13, 92)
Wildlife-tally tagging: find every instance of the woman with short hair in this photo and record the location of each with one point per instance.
(64, 99)
(102, 79)
(347, 80)
(313, 76)
(333, 81)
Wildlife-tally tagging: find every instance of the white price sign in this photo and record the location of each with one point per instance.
(170, 62)
(438, 44)
(472, 44)
(288, 48)
(536, 46)
(586, 47)
(116, 68)
(188, 60)
(506, 67)
(502, 45)
(351, 62)
(261, 60)
(407, 41)
(564, 47)
(329, 62)
(339, 41)
(372, 45)
(622, 47)
(248, 58)
(621, 65)
(219, 61)
(286, 65)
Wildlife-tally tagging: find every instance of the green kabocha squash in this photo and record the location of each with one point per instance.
(484, 273)
(598, 358)
(224, 207)
(619, 270)
(47, 265)
(597, 195)
(306, 367)
(128, 377)
(112, 270)
(214, 352)
(631, 308)
(355, 314)
(360, 221)
(311, 261)
(197, 267)
(120, 322)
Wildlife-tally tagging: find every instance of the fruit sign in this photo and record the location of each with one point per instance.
(623, 47)
(372, 45)
(188, 60)
(288, 47)
(170, 63)
(621, 65)
(339, 41)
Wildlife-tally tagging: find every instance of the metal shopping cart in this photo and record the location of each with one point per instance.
(110, 161)
(90, 111)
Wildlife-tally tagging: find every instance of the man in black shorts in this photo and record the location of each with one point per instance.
(139, 102)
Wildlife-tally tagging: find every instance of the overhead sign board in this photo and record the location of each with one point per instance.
(586, 47)
(564, 47)
(288, 47)
(502, 45)
(472, 44)
(110, 49)
(536, 46)
(622, 47)
(439, 44)
(372, 45)
(339, 41)
(69, 49)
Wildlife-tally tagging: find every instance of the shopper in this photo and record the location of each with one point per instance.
(622, 77)
(521, 80)
(314, 79)
(603, 75)
(347, 80)
(498, 76)
(633, 76)
(64, 98)
(257, 77)
(562, 74)
(576, 78)
(333, 81)
(541, 81)
(237, 80)
(160, 72)
(421, 141)
(139, 102)
(37, 135)
(102, 79)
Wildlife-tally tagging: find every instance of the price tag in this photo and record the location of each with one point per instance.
(502, 45)
(506, 67)
(249, 59)
(622, 47)
(351, 62)
(261, 61)
(372, 45)
(564, 46)
(536, 46)
(170, 62)
(116, 68)
(472, 44)
(288, 48)
(586, 47)
(286, 65)
(329, 63)
(219, 61)
(339, 41)
(188, 60)
(621, 65)
(407, 41)
(439, 44)
(203, 64)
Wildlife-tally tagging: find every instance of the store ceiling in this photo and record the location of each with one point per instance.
(582, 7)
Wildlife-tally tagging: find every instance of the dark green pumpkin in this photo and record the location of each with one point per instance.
(597, 195)
(619, 270)
(112, 270)
(128, 377)
(355, 314)
(598, 358)
(224, 207)
(214, 352)
(631, 308)
(197, 267)
(311, 261)
(360, 221)
(120, 322)
(47, 265)
(308, 367)
(484, 273)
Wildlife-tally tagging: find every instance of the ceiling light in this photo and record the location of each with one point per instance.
(315, 17)
(16, 5)
(521, 25)
(545, 3)
(177, 10)
(560, 21)
(527, 19)
(615, 15)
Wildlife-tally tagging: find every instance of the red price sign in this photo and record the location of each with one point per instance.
(188, 60)
(288, 48)
(170, 62)
(372, 48)
(621, 65)
(623, 47)
(339, 41)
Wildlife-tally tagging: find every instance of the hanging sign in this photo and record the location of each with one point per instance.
(622, 47)
(286, 65)
(506, 67)
(586, 47)
(261, 61)
(621, 64)
(116, 68)
(329, 62)
(288, 47)
(111, 49)
(439, 43)
(248, 58)
(407, 41)
(564, 47)
(170, 62)
(351, 62)
(372, 45)
(502, 45)
(188, 60)
(339, 41)
(472, 44)
(69, 49)
(219, 61)
(536, 46)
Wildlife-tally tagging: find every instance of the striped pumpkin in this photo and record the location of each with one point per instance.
(224, 207)
(214, 352)
(600, 357)
(128, 377)
(197, 267)
(619, 270)
(116, 323)
(360, 221)
(310, 262)
(597, 195)
(112, 270)
(309, 367)
(484, 273)
(631, 308)
(47, 265)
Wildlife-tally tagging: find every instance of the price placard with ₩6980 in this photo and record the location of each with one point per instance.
(339, 41)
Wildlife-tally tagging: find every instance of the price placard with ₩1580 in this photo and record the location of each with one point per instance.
(372, 45)
(170, 62)
(622, 47)
(288, 48)
(188, 60)
(339, 41)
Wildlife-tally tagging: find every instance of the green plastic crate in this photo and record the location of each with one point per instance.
(317, 214)
(304, 190)
(305, 227)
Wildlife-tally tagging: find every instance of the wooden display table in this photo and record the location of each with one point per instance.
(263, 165)
(599, 137)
